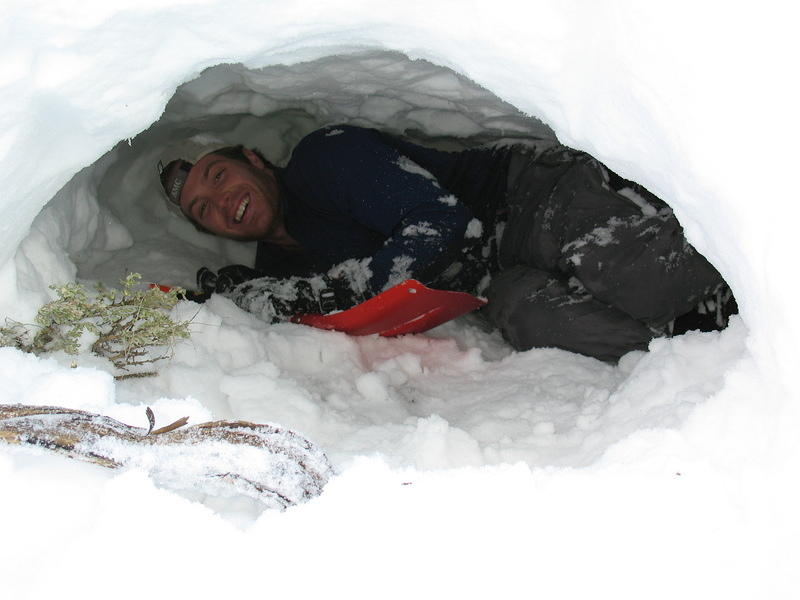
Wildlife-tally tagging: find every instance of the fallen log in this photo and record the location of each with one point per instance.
(274, 465)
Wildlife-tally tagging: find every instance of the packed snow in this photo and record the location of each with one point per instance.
(463, 469)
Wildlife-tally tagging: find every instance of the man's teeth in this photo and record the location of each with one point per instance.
(240, 211)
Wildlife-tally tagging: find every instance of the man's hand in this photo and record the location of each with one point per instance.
(225, 279)
(206, 282)
(209, 282)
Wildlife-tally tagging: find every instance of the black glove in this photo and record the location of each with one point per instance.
(225, 279)
(221, 282)
(206, 283)
(232, 275)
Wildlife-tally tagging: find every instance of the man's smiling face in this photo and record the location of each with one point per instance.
(233, 198)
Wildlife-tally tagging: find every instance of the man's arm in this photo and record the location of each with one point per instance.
(359, 175)
(276, 299)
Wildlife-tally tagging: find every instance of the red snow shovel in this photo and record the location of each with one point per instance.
(408, 307)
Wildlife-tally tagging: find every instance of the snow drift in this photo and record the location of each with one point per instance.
(678, 464)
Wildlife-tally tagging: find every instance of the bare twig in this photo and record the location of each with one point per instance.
(172, 426)
(135, 375)
(151, 419)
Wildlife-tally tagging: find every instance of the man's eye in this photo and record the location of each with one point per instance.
(218, 176)
(203, 208)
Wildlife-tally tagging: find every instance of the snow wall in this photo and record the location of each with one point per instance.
(692, 101)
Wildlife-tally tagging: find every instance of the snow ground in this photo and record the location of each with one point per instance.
(465, 469)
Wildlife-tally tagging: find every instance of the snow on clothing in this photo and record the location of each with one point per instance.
(588, 262)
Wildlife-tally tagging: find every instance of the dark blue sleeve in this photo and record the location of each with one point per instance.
(386, 192)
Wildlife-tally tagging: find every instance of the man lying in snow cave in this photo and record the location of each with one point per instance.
(569, 254)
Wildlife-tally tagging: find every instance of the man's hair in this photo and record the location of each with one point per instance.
(237, 153)
(234, 153)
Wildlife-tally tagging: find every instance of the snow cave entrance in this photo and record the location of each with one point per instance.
(457, 397)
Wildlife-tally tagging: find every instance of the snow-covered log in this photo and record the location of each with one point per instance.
(277, 466)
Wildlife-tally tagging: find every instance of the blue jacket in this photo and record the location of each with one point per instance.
(350, 192)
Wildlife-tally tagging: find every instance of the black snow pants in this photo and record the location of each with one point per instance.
(590, 262)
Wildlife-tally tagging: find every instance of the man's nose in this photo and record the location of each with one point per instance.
(220, 200)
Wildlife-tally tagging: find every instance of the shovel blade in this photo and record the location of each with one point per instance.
(408, 307)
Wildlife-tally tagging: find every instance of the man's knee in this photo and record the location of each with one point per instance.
(644, 266)
(534, 310)
(509, 290)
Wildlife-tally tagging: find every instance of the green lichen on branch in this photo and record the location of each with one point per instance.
(124, 324)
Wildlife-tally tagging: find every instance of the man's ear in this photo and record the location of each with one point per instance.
(253, 158)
